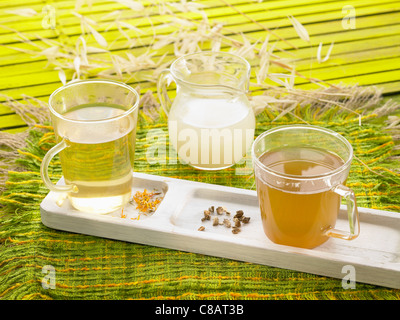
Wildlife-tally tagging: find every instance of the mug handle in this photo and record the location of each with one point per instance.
(352, 214)
(164, 80)
(45, 166)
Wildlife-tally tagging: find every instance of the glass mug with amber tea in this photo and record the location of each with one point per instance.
(210, 121)
(300, 174)
(95, 126)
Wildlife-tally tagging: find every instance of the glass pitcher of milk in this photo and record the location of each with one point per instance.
(210, 121)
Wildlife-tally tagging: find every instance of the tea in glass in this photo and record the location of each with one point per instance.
(95, 126)
(298, 218)
(300, 175)
(99, 163)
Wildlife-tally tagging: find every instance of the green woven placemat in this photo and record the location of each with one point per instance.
(87, 267)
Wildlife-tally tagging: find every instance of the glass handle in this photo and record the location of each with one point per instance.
(164, 80)
(45, 166)
(352, 214)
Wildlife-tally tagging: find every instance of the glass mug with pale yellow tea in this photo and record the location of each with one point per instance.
(210, 121)
(300, 174)
(95, 125)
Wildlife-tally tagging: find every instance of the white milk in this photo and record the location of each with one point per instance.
(211, 131)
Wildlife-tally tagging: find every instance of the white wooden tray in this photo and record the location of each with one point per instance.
(375, 254)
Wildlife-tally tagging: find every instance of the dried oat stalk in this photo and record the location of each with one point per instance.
(93, 55)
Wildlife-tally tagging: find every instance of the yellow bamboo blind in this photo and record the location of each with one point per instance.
(367, 55)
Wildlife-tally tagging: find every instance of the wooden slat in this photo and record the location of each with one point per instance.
(338, 35)
(341, 54)
(147, 30)
(50, 76)
(348, 47)
(391, 87)
(376, 31)
(15, 130)
(103, 7)
(12, 120)
(336, 69)
(71, 26)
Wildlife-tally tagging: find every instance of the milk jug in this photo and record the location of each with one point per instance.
(210, 121)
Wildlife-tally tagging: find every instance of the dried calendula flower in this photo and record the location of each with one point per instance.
(145, 201)
(215, 221)
(202, 228)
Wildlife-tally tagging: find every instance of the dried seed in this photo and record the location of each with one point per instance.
(227, 223)
(207, 215)
(202, 228)
(246, 219)
(237, 222)
(235, 230)
(239, 214)
(215, 221)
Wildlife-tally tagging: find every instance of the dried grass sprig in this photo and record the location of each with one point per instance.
(32, 110)
(91, 55)
(300, 29)
(259, 24)
(320, 60)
